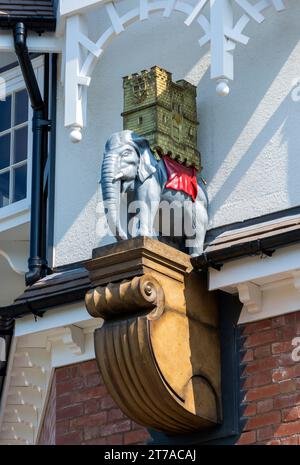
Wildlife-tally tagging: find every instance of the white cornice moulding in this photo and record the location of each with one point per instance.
(267, 286)
(60, 317)
(71, 336)
(278, 298)
(283, 262)
(250, 295)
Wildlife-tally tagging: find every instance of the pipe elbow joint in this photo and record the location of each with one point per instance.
(20, 36)
(32, 276)
(37, 270)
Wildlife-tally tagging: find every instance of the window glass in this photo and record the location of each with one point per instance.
(4, 151)
(20, 183)
(21, 107)
(4, 189)
(5, 114)
(20, 148)
(13, 148)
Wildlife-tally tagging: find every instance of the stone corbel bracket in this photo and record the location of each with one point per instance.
(158, 350)
(130, 297)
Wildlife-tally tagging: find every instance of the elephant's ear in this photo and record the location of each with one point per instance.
(147, 164)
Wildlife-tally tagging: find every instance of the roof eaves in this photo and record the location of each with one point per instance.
(266, 242)
(39, 16)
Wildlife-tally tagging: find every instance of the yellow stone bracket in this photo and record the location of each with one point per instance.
(159, 349)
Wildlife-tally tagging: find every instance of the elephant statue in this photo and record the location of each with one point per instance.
(129, 166)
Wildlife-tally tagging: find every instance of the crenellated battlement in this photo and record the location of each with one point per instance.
(163, 111)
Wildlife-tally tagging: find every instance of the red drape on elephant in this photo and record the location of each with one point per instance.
(181, 178)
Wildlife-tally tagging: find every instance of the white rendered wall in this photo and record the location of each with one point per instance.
(249, 141)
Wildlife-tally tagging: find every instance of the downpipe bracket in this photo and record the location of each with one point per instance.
(41, 123)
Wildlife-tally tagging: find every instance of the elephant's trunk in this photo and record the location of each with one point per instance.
(111, 190)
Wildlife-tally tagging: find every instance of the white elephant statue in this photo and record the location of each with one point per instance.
(129, 166)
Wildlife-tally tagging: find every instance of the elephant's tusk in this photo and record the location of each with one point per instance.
(203, 180)
(119, 176)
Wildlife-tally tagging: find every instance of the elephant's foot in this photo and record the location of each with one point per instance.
(195, 245)
(147, 233)
(196, 252)
(194, 249)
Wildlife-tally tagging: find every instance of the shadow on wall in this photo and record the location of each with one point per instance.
(78, 194)
(242, 137)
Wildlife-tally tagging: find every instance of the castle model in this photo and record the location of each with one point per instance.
(164, 112)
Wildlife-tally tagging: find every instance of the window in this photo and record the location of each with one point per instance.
(16, 145)
(13, 147)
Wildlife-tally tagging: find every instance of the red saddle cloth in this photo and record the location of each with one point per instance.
(181, 178)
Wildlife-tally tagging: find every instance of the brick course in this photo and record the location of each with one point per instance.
(80, 411)
(271, 382)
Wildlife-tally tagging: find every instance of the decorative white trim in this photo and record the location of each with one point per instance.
(45, 43)
(282, 262)
(34, 356)
(71, 336)
(250, 295)
(14, 215)
(13, 266)
(277, 297)
(69, 7)
(71, 314)
(82, 54)
(267, 286)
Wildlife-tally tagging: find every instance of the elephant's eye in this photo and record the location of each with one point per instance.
(126, 152)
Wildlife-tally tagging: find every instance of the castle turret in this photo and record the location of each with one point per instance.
(164, 112)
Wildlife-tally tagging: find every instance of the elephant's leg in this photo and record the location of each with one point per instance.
(199, 220)
(147, 215)
(148, 198)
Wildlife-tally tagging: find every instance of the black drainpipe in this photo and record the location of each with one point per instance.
(37, 263)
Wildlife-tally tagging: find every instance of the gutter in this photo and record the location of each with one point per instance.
(37, 262)
(37, 23)
(265, 246)
(60, 288)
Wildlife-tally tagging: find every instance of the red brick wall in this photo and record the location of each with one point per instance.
(271, 382)
(84, 411)
(80, 410)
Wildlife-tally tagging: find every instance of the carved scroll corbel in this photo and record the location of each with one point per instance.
(127, 298)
